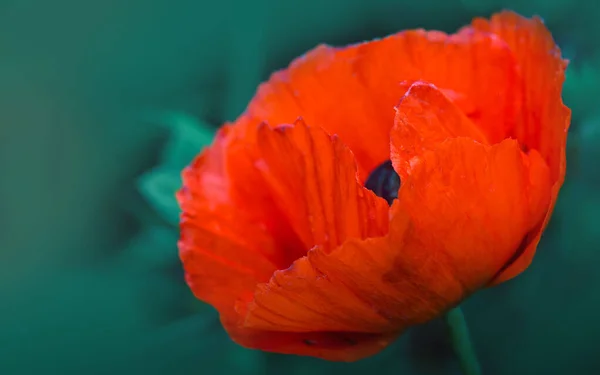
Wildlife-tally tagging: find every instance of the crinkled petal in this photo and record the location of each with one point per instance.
(462, 214)
(225, 250)
(312, 178)
(425, 117)
(248, 208)
(352, 91)
(544, 120)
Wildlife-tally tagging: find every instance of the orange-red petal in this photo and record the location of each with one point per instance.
(544, 120)
(425, 117)
(352, 91)
(462, 213)
(297, 178)
(225, 250)
(312, 178)
(331, 346)
(280, 236)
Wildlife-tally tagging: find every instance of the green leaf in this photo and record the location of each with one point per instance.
(159, 186)
(188, 137)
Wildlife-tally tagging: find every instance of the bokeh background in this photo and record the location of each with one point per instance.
(103, 102)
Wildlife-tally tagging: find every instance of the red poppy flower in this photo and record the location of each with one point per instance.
(280, 234)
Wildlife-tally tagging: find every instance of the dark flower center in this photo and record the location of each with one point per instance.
(384, 182)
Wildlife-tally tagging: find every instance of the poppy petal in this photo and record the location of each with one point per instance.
(331, 346)
(451, 208)
(280, 236)
(312, 178)
(224, 253)
(424, 118)
(352, 91)
(464, 66)
(311, 183)
(322, 87)
(544, 119)
(424, 266)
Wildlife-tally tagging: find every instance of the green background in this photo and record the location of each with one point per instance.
(101, 104)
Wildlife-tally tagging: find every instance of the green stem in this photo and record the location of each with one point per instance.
(461, 342)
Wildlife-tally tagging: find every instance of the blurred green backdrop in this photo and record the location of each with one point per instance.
(102, 102)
